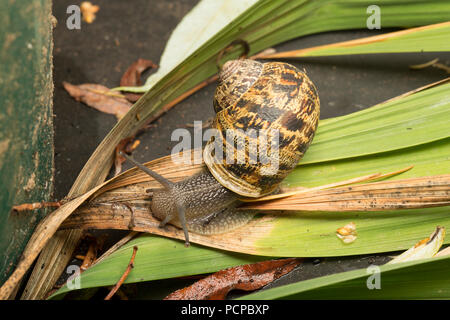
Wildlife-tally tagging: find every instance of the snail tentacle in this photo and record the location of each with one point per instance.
(163, 181)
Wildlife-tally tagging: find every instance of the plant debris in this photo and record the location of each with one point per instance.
(433, 63)
(124, 276)
(95, 246)
(347, 233)
(88, 10)
(413, 193)
(127, 145)
(35, 205)
(287, 192)
(423, 249)
(132, 77)
(247, 277)
(100, 98)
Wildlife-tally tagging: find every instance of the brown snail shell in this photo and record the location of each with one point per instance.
(273, 98)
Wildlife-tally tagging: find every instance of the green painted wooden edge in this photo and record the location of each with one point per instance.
(26, 124)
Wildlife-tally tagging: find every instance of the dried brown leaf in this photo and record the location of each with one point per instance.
(100, 98)
(132, 77)
(423, 192)
(95, 246)
(247, 277)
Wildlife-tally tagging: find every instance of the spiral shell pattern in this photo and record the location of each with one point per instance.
(277, 102)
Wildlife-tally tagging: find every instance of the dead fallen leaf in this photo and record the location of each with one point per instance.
(127, 145)
(88, 10)
(347, 233)
(99, 97)
(95, 246)
(247, 277)
(132, 77)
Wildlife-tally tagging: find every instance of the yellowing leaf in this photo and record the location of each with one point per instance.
(425, 248)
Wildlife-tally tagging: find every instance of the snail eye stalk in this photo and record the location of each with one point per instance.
(169, 186)
(163, 181)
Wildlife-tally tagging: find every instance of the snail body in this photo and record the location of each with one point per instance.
(272, 100)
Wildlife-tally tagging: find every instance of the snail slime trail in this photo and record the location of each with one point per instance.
(272, 98)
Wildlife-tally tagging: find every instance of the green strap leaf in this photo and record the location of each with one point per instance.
(432, 38)
(420, 279)
(397, 124)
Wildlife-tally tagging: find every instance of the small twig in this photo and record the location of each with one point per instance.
(442, 67)
(433, 63)
(124, 276)
(40, 205)
(424, 65)
(36, 205)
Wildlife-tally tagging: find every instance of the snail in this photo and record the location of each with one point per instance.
(274, 98)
